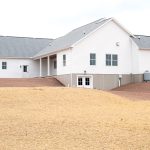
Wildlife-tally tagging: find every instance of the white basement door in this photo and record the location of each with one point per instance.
(85, 81)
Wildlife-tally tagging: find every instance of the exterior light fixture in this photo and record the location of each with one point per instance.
(84, 71)
(117, 44)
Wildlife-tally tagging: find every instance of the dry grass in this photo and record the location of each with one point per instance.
(71, 119)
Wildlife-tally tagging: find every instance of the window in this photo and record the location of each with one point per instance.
(87, 81)
(25, 68)
(55, 64)
(92, 59)
(4, 65)
(111, 60)
(79, 81)
(108, 59)
(64, 60)
(114, 60)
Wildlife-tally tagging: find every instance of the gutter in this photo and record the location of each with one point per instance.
(15, 57)
(52, 53)
(144, 48)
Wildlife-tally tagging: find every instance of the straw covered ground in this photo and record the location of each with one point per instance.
(71, 119)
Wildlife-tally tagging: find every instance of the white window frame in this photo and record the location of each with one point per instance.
(114, 60)
(92, 60)
(111, 60)
(108, 60)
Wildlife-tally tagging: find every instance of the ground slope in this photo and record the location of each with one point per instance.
(30, 82)
(71, 119)
(134, 91)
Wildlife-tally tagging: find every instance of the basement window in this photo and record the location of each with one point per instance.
(4, 65)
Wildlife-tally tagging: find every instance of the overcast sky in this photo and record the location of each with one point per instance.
(54, 18)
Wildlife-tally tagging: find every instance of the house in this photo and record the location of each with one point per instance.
(102, 55)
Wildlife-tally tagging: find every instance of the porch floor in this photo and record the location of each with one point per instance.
(29, 82)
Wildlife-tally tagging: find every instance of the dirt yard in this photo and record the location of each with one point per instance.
(71, 119)
(136, 91)
(29, 82)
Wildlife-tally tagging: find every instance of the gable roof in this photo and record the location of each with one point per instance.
(21, 47)
(72, 37)
(142, 41)
(24, 47)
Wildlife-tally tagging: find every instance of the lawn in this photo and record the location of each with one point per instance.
(71, 119)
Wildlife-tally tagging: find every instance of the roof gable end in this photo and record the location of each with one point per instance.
(68, 40)
(77, 35)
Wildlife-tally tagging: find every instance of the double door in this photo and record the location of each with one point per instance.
(85, 81)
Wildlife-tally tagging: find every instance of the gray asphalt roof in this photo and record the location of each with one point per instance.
(21, 46)
(142, 41)
(72, 37)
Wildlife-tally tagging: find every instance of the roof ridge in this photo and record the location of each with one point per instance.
(142, 35)
(102, 19)
(72, 37)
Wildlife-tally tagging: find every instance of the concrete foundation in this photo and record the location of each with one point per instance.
(101, 81)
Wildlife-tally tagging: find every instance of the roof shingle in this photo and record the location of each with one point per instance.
(21, 47)
(71, 38)
(142, 41)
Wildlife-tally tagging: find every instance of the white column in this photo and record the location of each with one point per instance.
(40, 67)
(48, 66)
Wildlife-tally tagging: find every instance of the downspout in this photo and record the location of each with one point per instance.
(132, 61)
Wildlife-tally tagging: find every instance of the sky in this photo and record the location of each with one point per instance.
(54, 18)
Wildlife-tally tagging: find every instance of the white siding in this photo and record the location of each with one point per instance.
(103, 42)
(69, 66)
(53, 71)
(144, 60)
(44, 67)
(135, 58)
(15, 68)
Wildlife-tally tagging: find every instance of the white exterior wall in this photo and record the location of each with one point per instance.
(135, 58)
(44, 67)
(15, 68)
(69, 66)
(144, 60)
(53, 71)
(103, 42)
(140, 60)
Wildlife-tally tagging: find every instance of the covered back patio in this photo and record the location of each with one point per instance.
(47, 66)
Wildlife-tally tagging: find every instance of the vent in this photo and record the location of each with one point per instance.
(146, 76)
(84, 32)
